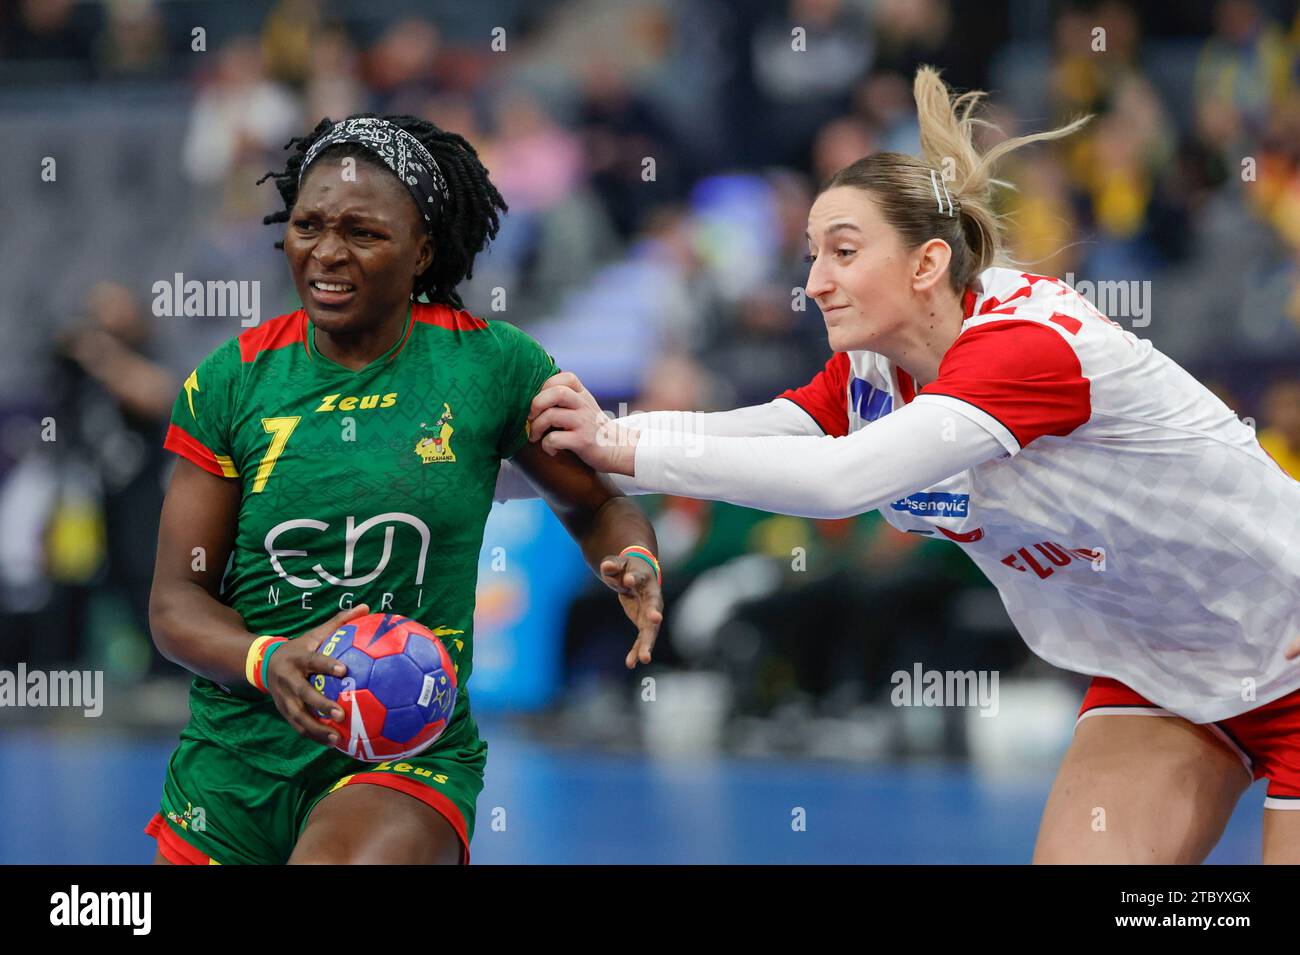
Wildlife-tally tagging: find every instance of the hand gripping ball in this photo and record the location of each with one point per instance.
(400, 689)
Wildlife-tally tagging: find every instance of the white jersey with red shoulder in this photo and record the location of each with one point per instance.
(1134, 527)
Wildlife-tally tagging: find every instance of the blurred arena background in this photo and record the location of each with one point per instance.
(659, 158)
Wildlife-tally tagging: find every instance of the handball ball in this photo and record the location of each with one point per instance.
(399, 692)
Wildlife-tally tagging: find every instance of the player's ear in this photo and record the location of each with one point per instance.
(425, 258)
(930, 264)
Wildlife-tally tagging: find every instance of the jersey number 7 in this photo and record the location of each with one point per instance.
(279, 429)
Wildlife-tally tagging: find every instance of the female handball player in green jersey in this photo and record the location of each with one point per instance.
(341, 460)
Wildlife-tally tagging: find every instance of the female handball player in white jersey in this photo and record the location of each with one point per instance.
(1134, 527)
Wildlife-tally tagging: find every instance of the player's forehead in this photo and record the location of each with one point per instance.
(842, 210)
(337, 187)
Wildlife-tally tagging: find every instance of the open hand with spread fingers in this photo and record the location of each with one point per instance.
(634, 576)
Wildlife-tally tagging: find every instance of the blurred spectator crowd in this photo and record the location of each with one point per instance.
(659, 159)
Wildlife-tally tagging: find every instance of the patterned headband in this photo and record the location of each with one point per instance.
(400, 151)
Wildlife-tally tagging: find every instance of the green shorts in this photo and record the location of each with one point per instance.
(218, 810)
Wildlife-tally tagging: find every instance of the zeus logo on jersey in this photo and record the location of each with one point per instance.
(355, 402)
(869, 402)
(352, 535)
(934, 504)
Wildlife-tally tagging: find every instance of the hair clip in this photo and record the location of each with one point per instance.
(934, 181)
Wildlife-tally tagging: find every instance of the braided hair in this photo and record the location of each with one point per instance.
(465, 223)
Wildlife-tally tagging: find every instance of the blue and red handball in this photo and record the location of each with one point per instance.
(400, 689)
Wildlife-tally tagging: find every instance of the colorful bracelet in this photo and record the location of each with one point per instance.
(259, 652)
(636, 550)
(266, 660)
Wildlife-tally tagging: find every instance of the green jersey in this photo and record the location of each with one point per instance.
(368, 486)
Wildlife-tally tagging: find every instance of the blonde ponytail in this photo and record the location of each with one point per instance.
(904, 188)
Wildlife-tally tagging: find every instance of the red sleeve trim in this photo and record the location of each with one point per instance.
(1019, 372)
(285, 330)
(192, 449)
(825, 398)
(444, 316)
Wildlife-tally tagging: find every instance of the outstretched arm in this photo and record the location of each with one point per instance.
(604, 523)
(777, 417)
(820, 477)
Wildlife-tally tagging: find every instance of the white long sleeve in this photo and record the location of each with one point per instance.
(777, 417)
(909, 449)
